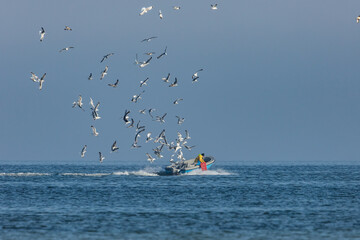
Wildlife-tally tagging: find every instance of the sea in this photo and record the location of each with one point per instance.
(137, 202)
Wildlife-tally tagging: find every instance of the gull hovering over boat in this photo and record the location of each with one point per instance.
(164, 53)
(150, 158)
(214, 6)
(41, 81)
(177, 101)
(145, 10)
(149, 53)
(67, 28)
(65, 49)
(34, 78)
(135, 98)
(187, 136)
(166, 79)
(142, 83)
(90, 77)
(160, 14)
(144, 64)
(42, 34)
(95, 133)
(106, 56)
(180, 137)
(161, 136)
(114, 85)
(101, 157)
(78, 103)
(126, 117)
(180, 120)
(134, 145)
(148, 39)
(174, 84)
(176, 7)
(83, 151)
(103, 73)
(114, 147)
(157, 151)
(161, 119)
(150, 111)
(148, 137)
(142, 111)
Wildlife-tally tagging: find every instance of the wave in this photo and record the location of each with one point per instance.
(147, 172)
(86, 174)
(24, 174)
(217, 172)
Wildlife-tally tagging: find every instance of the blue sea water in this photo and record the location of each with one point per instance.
(228, 202)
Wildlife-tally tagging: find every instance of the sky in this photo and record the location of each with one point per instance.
(281, 81)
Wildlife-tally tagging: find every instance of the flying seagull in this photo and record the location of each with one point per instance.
(358, 19)
(41, 81)
(150, 158)
(95, 133)
(174, 84)
(103, 73)
(115, 84)
(142, 111)
(148, 137)
(42, 34)
(131, 124)
(34, 78)
(126, 117)
(101, 157)
(90, 76)
(166, 79)
(114, 147)
(106, 56)
(161, 119)
(214, 7)
(164, 53)
(178, 100)
(145, 10)
(149, 53)
(150, 111)
(148, 39)
(187, 136)
(142, 83)
(78, 103)
(67, 28)
(83, 151)
(144, 64)
(135, 98)
(65, 49)
(160, 14)
(176, 7)
(180, 120)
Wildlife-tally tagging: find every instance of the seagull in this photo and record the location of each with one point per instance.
(83, 151)
(180, 137)
(136, 139)
(115, 84)
(145, 10)
(161, 136)
(142, 83)
(148, 39)
(150, 111)
(180, 120)
(195, 75)
(174, 84)
(150, 158)
(176, 7)
(114, 147)
(148, 137)
(65, 49)
(42, 34)
(67, 28)
(358, 19)
(164, 53)
(149, 53)
(93, 107)
(34, 78)
(131, 124)
(161, 119)
(187, 136)
(41, 81)
(166, 79)
(90, 76)
(177, 101)
(189, 147)
(95, 133)
(106, 56)
(142, 111)
(101, 157)
(157, 151)
(138, 127)
(95, 115)
(126, 117)
(104, 72)
(214, 7)
(78, 103)
(160, 14)
(135, 98)
(144, 64)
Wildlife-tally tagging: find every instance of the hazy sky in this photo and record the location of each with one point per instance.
(281, 79)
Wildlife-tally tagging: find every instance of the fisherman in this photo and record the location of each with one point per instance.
(200, 159)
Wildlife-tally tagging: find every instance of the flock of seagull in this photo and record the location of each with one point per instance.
(175, 146)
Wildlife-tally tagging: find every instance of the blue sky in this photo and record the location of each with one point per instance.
(280, 80)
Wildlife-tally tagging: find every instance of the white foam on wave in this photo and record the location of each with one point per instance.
(24, 174)
(217, 172)
(86, 174)
(147, 172)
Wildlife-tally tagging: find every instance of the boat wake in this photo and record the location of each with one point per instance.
(147, 172)
(24, 174)
(86, 174)
(217, 172)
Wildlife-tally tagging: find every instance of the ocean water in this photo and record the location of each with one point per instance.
(131, 202)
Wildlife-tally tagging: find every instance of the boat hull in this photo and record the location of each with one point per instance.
(188, 166)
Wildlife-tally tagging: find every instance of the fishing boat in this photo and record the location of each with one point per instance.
(188, 166)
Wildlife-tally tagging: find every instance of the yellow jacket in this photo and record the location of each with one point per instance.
(199, 158)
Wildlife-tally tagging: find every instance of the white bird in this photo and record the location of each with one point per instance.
(177, 101)
(142, 111)
(180, 120)
(195, 75)
(174, 84)
(214, 7)
(148, 39)
(126, 117)
(104, 72)
(189, 147)
(42, 34)
(150, 158)
(78, 103)
(67, 28)
(114, 147)
(142, 83)
(106, 56)
(101, 157)
(160, 14)
(144, 64)
(138, 127)
(176, 7)
(166, 79)
(358, 19)
(41, 81)
(150, 111)
(148, 137)
(131, 123)
(65, 49)
(90, 76)
(161, 119)
(114, 85)
(187, 136)
(95, 133)
(180, 137)
(83, 151)
(164, 53)
(34, 78)
(145, 10)
(135, 98)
